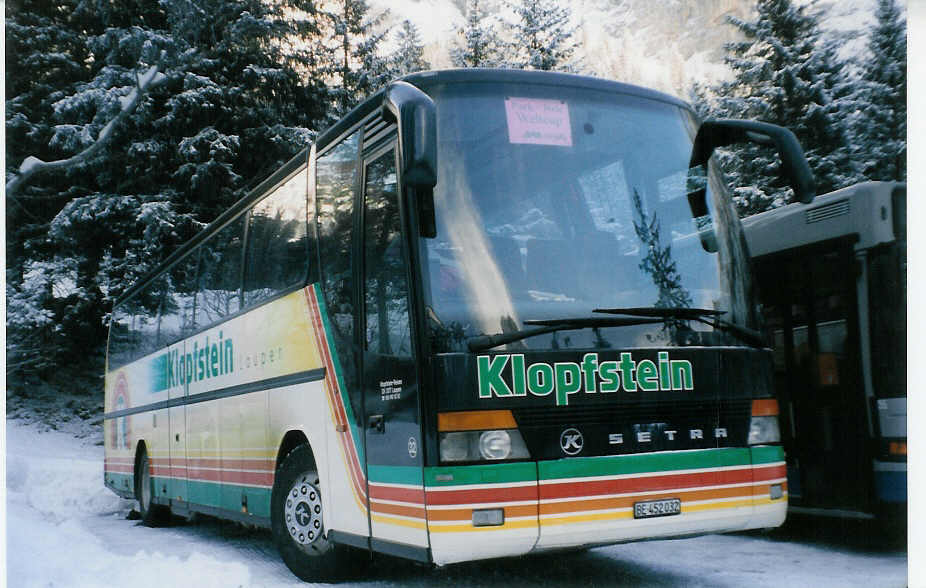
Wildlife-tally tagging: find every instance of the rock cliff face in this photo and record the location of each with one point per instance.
(664, 45)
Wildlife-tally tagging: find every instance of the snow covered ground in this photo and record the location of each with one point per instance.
(65, 529)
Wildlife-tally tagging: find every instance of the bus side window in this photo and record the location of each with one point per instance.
(147, 322)
(277, 241)
(220, 274)
(336, 179)
(178, 302)
(123, 339)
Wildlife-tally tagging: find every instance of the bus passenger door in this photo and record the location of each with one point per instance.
(390, 387)
(177, 473)
(810, 306)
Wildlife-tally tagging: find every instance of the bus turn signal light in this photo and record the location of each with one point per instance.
(897, 448)
(764, 407)
(763, 426)
(475, 420)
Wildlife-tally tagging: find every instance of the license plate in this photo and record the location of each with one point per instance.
(657, 508)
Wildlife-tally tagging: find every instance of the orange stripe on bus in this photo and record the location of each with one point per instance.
(397, 509)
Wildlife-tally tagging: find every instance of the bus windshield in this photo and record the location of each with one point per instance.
(553, 201)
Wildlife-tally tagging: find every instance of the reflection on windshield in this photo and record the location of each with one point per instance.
(480, 278)
(658, 263)
(554, 201)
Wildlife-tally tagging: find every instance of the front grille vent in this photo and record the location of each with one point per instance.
(827, 211)
(636, 427)
(705, 411)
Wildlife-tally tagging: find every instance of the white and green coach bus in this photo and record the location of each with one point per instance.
(487, 313)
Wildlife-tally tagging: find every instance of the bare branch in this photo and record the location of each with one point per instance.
(33, 165)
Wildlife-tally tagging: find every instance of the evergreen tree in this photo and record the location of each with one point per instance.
(46, 57)
(480, 45)
(542, 36)
(233, 106)
(356, 68)
(881, 127)
(785, 75)
(409, 53)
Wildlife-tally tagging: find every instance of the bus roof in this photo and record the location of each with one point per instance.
(863, 210)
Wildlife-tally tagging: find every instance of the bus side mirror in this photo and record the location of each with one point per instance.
(722, 132)
(416, 116)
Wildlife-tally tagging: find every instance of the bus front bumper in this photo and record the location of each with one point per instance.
(591, 501)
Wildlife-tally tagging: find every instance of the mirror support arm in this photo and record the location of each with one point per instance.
(722, 132)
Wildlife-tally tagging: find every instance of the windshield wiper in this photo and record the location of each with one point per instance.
(483, 342)
(745, 334)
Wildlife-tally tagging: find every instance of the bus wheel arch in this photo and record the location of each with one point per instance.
(291, 440)
(297, 516)
(152, 515)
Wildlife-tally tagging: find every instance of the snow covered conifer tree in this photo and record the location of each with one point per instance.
(784, 74)
(542, 36)
(232, 106)
(46, 57)
(356, 67)
(408, 56)
(881, 127)
(480, 45)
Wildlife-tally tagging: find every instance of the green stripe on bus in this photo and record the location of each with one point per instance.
(643, 463)
(121, 481)
(385, 474)
(481, 474)
(356, 431)
(767, 454)
(216, 494)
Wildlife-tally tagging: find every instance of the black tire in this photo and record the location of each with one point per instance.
(297, 523)
(152, 515)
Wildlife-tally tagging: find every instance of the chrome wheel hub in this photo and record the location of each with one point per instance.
(302, 512)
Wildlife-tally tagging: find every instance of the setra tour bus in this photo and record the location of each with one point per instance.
(487, 313)
(831, 278)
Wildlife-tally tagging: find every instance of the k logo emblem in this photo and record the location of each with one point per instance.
(571, 442)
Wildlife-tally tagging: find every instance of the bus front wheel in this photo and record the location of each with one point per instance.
(297, 523)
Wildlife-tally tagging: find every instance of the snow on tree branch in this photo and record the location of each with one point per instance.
(33, 165)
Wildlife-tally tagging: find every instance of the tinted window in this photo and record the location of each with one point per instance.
(136, 325)
(386, 288)
(887, 312)
(177, 302)
(555, 201)
(121, 337)
(336, 177)
(277, 243)
(220, 274)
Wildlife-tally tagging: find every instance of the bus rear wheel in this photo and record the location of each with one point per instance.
(297, 523)
(152, 515)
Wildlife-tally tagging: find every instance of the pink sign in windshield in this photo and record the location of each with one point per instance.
(538, 122)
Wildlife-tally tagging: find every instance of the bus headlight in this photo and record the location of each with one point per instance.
(764, 429)
(482, 445)
(486, 435)
(454, 447)
(495, 444)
